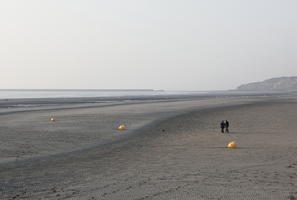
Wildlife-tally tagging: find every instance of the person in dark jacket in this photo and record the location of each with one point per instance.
(227, 126)
(223, 126)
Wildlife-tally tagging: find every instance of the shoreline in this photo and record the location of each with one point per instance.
(11, 106)
(78, 100)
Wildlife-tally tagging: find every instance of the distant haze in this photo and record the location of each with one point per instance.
(158, 44)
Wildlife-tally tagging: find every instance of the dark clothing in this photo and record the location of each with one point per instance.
(227, 126)
(223, 126)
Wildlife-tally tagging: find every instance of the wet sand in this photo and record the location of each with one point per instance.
(172, 150)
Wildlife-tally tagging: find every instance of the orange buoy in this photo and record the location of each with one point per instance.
(232, 145)
(122, 127)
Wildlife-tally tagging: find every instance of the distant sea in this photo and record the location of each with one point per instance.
(20, 94)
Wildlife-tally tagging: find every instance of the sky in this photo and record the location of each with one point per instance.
(145, 44)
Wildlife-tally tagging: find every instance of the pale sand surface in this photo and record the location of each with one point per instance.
(179, 154)
(26, 132)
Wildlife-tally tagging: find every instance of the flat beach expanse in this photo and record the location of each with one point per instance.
(172, 148)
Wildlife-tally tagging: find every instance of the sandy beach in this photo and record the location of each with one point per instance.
(172, 149)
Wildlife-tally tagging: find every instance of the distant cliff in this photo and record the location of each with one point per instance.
(274, 84)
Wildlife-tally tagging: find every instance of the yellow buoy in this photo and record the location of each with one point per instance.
(53, 119)
(232, 145)
(122, 127)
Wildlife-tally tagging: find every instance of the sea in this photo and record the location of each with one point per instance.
(66, 93)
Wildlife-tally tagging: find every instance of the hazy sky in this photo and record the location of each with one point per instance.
(159, 44)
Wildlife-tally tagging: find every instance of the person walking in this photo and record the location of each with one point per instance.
(223, 126)
(227, 126)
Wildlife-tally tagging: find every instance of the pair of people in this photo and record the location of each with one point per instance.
(225, 125)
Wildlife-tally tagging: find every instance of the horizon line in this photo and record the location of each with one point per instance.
(84, 89)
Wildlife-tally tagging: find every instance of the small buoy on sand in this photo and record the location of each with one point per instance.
(232, 145)
(53, 119)
(122, 127)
